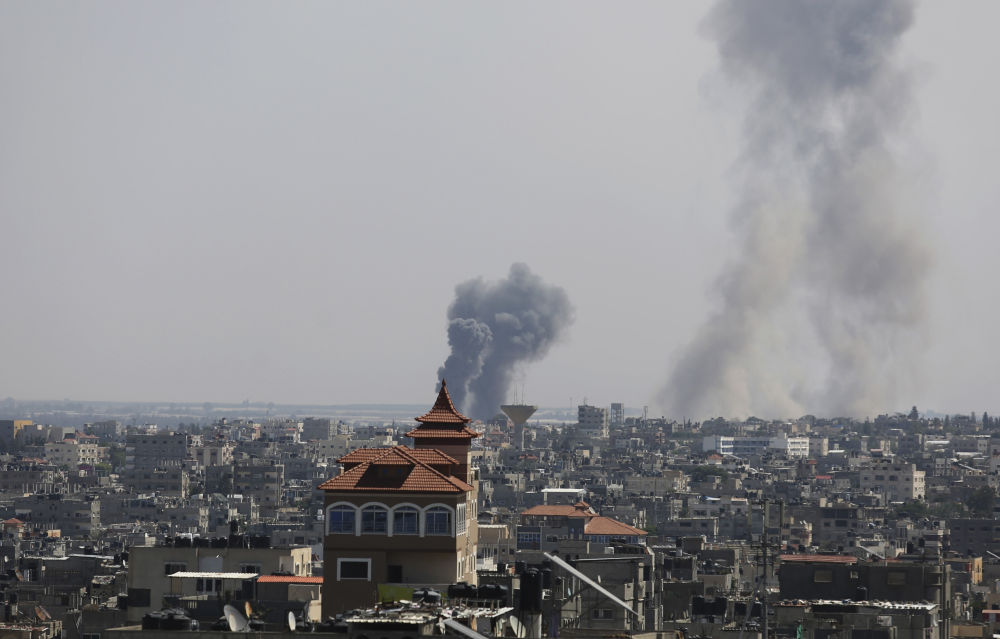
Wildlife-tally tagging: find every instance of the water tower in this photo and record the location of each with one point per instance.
(519, 414)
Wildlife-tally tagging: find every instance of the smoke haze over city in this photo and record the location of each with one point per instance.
(765, 213)
(832, 256)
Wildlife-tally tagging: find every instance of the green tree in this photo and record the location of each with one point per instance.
(913, 414)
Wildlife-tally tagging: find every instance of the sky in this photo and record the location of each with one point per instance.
(275, 201)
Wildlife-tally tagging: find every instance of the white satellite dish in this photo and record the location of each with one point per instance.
(237, 622)
(517, 626)
(291, 621)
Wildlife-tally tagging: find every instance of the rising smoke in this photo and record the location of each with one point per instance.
(823, 303)
(493, 329)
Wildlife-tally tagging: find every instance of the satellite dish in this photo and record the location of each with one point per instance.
(237, 622)
(291, 621)
(247, 609)
(517, 626)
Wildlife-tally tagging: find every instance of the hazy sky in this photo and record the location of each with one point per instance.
(274, 201)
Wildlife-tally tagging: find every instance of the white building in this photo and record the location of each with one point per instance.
(897, 481)
(793, 447)
(72, 452)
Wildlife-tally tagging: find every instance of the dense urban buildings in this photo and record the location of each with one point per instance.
(687, 528)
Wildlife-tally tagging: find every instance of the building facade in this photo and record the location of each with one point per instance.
(897, 481)
(402, 516)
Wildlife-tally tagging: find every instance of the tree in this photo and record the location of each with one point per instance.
(913, 414)
(980, 501)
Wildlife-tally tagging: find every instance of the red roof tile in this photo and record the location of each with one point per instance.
(397, 469)
(288, 579)
(608, 526)
(443, 411)
(580, 509)
(426, 455)
(422, 432)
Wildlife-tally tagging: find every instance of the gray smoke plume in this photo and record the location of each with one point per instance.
(495, 327)
(824, 299)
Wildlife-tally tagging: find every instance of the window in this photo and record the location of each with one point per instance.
(604, 613)
(208, 585)
(405, 521)
(529, 541)
(895, 579)
(254, 568)
(437, 521)
(171, 567)
(823, 577)
(374, 520)
(460, 519)
(354, 569)
(342, 519)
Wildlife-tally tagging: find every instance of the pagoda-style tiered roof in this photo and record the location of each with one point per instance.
(396, 469)
(443, 421)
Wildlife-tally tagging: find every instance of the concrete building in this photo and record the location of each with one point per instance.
(150, 567)
(213, 454)
(896, 480)
(793, 447)
(259, 479)
(592, 421)
(318, 429)
(403, 516)
(10, 429)
(156, 450)
(73, 452)
(71, 516)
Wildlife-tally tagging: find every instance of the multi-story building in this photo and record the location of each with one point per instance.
(543, 527)
(793, 447)
(259, 479)
(592, 421)
(171, 481)
(659, 484)
(318, 429)
(282, 430)
(156, 450)
(71, 516)
(896, 480)
(10, 429)
(71, 453)
(213, 454)
(150, 567)
(402, 515)
(818, 447)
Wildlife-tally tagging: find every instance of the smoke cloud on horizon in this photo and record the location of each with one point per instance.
(822, 306)
(493, 329)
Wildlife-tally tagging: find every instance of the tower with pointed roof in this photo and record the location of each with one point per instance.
(444, 428)
(402, 516)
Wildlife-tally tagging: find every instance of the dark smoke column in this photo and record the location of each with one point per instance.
(495, 327)
(821, 309)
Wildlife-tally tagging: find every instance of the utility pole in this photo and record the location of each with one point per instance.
(765, 511)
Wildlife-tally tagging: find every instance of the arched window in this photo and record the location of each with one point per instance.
(342, 519)
(437, 521)
(374, 519)
(405, 521)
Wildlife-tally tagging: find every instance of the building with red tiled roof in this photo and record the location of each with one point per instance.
(402, 515)
(551, 522)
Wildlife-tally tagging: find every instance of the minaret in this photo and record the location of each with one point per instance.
(445, 429)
